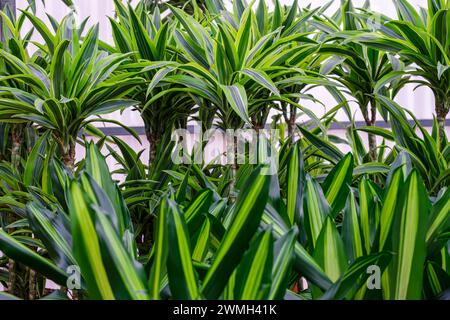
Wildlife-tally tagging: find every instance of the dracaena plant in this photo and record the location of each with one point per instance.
(9, 7)
(18, 46)
(193, 6)
(152, 46)
(99, 223)
(73, 82)
(17, 141)
(428, 155)
(237, 67)
(216, 245)
(364, 71)
(420, 38)
(179, 231)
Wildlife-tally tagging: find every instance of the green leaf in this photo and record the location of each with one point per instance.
(295, 183)
(244, 36)
(98, 169)
(283, 261)
(247, 218)
(54, 231)
(86, 246)
(34, 162)
(387, 80)
(316, 210)
(336, 185)
(144, 43)
(325, 147)
(262, 79)
(330, 251)
(159, 254)
(409, 231)
(42, 29)
(237, 99)
(351, 230)
(128, 283)
(389, 207)
(57, 69)
(303, 262)
(254, 274)
(182, 277)
(408, 13)
(439, 218)
(356, 276)
(17, 251)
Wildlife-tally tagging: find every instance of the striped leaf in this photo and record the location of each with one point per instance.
(282, 265)
(295, 184)
(98, 169)
(409, 232)
(262, 79)
(254, 274)
(356, 276)
(19, 252)
(54, 231)
(328, 149)
(336, 185)
(330, 251)
(247, 217)
(182, 277)
(202, 241)
(237, 99)
(316, 210)
(439, 218)
(303, 262)
(159, 254)
(127, 276)
(351, 230)
(86, 246)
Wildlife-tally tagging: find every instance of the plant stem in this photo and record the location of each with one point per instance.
(154, 140)
(68, 152)
(291, 124)
(152, 149)
(370, 122)
(16, 140)
(12, 277)
(16, 146)
(234, 170)
(441, 114)
(32, 285)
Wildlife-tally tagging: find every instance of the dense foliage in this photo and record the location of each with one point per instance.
(307, 222)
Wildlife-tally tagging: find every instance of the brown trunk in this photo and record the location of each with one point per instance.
(17, 141)
(373, 146)
(16, 146)
(12, 278)
(370, 122)
(234, 171)
(153, 148)
(291, 125)
(76, 295)
(32, 285)
(441, 115)
(68, 155)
